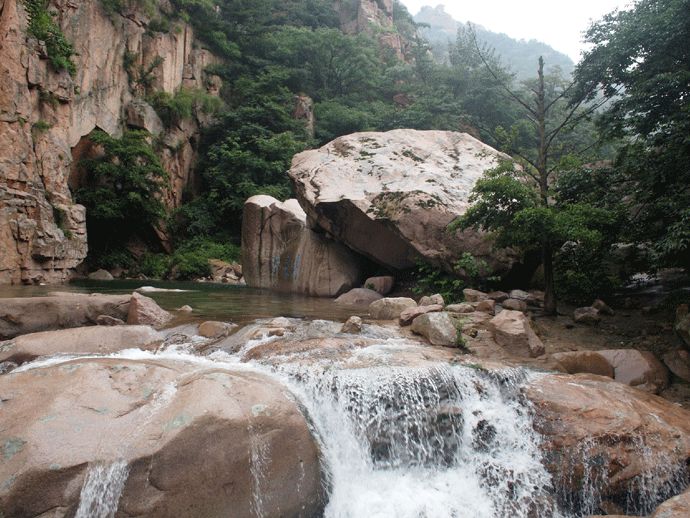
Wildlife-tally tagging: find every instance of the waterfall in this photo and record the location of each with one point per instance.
(425, 442)
(101, 491)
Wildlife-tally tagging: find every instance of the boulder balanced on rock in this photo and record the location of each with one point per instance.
(390, 196)
(281, 253)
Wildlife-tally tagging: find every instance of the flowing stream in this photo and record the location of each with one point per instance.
(432, 441)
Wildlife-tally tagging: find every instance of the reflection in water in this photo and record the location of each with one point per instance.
(210, 301)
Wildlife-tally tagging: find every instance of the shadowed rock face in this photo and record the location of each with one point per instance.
(281, 253)
(391, 196)
(197, 442)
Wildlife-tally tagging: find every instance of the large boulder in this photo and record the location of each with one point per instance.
(513, 331)
(279, 252)
(79, 340)
(607, 441)
(390, 196)
(181, 440)
(390, 308)
(408, 315)
(19, 316)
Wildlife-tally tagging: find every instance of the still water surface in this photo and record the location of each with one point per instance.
(210, 301)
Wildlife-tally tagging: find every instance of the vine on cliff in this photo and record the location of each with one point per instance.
(44, 28)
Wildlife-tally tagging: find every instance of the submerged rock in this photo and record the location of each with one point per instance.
(352, 326)
(19, 316)
(80, 340)
(390, 196)
(176, 439)
(279, 252)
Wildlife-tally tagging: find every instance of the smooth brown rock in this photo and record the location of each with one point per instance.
(144, 310)
(678, 362)
(640, 369)
(486, 306)
(390, 196)
(585, 361)
(432, 300)
(498, 296)
(191, 450)
(80, 340)
(408, 315)
(474, 295)
(59, 311)
(215, 329)
(438, 328)
(352, 326)
(676, 507)
(390, 308)
(279, 252)
(185, 309)
(107, 320)
(513, 331)
(358, 297)
(593, 427)
(588, 316)
(460, 308)
(519, 294)
(382, 284)
(101, 275)
(515, 305)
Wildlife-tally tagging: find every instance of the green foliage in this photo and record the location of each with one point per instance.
(142, 76)
(174, 108)
(189, 261)
(41, 126)
(122, 190)
(429, 280)
(43, 27)
(640, 60)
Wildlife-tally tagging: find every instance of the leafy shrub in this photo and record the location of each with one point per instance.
(190, 260)
(174, 108)
(430, 279)
(43, 27)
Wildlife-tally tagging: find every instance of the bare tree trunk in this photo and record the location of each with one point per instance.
(550, 290)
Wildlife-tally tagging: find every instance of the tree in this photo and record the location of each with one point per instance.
(531, 218)
(640, 62)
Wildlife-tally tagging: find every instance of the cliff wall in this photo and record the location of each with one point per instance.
(45, 116)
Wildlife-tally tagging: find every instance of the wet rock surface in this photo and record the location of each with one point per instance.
(58, 311)
(192, 441)
(80, 340)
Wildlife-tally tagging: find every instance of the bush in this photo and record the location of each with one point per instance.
(190, 260)
(43, 27)
(174, 108)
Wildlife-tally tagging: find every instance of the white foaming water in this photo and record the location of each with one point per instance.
(102, 488)
(404, 442)
(427, 442)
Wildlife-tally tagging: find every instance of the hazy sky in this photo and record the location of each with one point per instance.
(556, 22)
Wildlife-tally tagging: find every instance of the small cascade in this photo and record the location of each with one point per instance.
(425, 442)
(102, 488)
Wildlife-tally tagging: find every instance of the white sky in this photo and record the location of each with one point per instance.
(556, 22)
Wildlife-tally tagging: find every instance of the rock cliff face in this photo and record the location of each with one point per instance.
(45, 116)
(372, 17)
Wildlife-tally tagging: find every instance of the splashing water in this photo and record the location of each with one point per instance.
(101, 491)
(425, 442)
